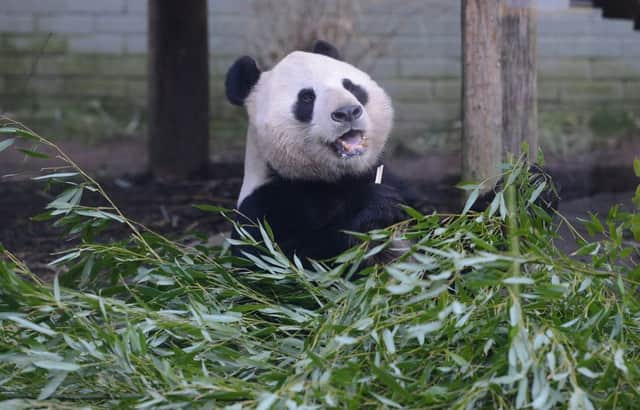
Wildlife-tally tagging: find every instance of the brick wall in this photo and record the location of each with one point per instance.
(78, 67)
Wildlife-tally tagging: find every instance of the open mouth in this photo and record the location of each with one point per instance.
(352, 143)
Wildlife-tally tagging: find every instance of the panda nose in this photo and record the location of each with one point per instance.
(348, 113)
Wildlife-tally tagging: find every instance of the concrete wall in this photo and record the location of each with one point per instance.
(77, 68)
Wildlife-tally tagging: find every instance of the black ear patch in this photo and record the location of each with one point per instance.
(326, 49)
(241, 77)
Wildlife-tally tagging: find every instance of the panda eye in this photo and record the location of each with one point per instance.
(360, 93)
(303, 108)
(307, 96)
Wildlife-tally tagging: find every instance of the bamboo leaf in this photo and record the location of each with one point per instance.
(6, 143)
(56, 290)
(389, 381)
(50, 388)
(518, 281)
(34, 154)
(473, 196)
(8, 130)
(60, 175)
(30, 325)
(211, 208)
(536, 193)
(53, 365)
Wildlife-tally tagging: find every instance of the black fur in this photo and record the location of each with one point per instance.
(241, 77)
(326, 49)
(303, 108)
(360, 93)
(549, 199)
(308, 217)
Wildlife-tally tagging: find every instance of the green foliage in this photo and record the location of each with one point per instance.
(482, 311)
(572, 133)
(608, 123)
(89, 121)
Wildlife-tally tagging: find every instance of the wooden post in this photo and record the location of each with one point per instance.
(519, 108)
(178, 88)
(482, 90)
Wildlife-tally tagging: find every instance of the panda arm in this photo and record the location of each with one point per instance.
(382, 208)
(407, 194)
(360, 209)
(305, 220)
(309, 220)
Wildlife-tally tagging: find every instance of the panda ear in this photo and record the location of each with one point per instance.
(241, 77)
(326, 49)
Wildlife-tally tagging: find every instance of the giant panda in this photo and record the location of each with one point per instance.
(317, 130)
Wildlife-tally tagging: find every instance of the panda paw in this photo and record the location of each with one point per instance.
(383, 208)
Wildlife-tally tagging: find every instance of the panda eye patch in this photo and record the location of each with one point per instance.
(306, 96)
(303, 108)
(361, 95)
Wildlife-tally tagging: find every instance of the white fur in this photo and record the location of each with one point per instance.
(256, 172)
(299, 150)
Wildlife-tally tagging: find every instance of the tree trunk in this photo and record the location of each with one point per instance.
(520, 108)
(482, 90)
(178, 89)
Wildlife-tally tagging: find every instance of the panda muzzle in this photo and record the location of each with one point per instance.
(352, 143)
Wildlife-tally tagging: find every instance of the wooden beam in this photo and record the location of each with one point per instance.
(482, 90)
(519, 79)
(178, 88)
(622, 9)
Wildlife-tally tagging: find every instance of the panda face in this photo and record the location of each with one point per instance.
(349, 117)
(318, 118)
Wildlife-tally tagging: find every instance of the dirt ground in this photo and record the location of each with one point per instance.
(588, 184)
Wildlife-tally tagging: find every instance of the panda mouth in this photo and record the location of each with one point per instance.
(352, 143)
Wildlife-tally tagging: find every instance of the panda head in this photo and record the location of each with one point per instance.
(312, 116)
